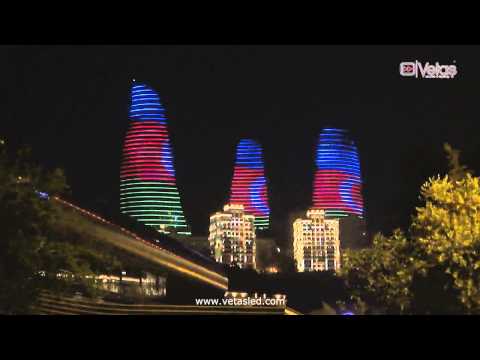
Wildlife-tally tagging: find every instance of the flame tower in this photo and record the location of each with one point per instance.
(338, 185)
(148, 190)
(338, 182)
(249, 184)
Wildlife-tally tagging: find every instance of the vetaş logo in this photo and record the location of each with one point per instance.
(427, 70)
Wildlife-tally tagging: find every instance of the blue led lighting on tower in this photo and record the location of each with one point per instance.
(249, 185)
(148, 190)
(338, 181)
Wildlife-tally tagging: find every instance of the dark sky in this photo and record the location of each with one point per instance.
(70, 104)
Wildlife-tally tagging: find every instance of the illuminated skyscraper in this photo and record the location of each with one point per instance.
(148, 190)
(249, 185)
(316, 243)
(232, 237)
(338, 185)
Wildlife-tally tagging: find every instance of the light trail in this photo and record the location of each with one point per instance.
(154, 252)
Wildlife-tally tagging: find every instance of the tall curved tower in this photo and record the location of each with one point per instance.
(338, 181)
(338, 184)
(148, 190)
(249, 184)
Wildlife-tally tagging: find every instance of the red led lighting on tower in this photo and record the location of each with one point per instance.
(338, 182)
(249, 184)
(148, 190)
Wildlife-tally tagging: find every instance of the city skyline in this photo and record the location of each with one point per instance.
(279, 95)
(289, 180)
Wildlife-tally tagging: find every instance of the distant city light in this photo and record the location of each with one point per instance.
(42, 195)
(271, 270)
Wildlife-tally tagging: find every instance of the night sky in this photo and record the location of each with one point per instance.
(70, 103)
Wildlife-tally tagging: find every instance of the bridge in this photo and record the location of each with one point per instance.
(151, 246)
(190, 274)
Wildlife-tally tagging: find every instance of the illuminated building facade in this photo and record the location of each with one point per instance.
(249, 184)
(338, 185)
(316, 242)
(232, 237)
(148, 190)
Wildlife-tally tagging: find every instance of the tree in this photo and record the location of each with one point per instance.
(433, 268)
(25, 218)
(457, 171)
(381, 275)
(447, 233)
(33, 247)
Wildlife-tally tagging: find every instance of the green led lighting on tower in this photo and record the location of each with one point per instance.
(148, 190)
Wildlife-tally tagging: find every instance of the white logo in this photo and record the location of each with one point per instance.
(427, 71)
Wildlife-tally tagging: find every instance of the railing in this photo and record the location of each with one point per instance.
(153, 252)
(49, 304)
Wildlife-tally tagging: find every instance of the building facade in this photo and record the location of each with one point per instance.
(316, 242)
(337, 186)
(232, 237)
(148, 190)
(249, 183)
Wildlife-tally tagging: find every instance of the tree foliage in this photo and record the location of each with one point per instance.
(34, 249)
(25, 220)
(447, 230)
(381, 275)
(457, 171)
(434, 268)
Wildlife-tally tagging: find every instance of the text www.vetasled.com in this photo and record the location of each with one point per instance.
(260, 301)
